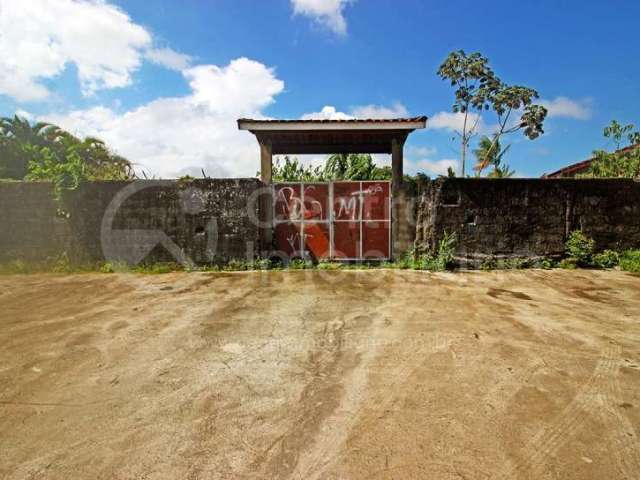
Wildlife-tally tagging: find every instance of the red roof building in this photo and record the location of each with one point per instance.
(581, 167)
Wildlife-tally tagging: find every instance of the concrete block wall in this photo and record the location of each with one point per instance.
(204, 221)
(527, 217)
(213, 220)
(404, 212)
(30, 229)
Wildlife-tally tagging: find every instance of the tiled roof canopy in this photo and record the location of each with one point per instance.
(332, 136)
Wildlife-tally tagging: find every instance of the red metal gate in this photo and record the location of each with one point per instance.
(333, 221)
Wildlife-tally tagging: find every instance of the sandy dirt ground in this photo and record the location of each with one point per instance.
(321, 375)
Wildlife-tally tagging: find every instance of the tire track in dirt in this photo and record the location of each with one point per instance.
(587, 402)
(335, 429)
(251, 457)
(328, 450)
(318, 402)
(333, 397)
(623, 443)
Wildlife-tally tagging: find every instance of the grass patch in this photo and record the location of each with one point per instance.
(580, 250)
(630, 261)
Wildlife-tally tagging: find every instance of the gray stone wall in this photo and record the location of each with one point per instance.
(203, 221)
(30, 230)
(213, 220)
(405, 218)
(527, 217)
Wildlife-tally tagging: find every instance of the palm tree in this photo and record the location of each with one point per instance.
(336, 166)
(354, 166)
(14, 133)
(19, 140)
(21, 130)
(489, 152)
(501, 172)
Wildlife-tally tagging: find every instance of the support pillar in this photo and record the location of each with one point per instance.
(266, 199)
(399, 220)
(266, 161)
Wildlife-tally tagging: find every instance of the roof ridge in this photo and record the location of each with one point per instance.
(345, 120)
(572, 168)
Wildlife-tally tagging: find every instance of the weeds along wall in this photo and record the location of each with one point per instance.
(203, 221)
(527, 217)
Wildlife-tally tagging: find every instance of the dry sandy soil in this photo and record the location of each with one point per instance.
(373, 374)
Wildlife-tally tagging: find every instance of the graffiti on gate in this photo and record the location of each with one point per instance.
(295, 208)
(338, 220)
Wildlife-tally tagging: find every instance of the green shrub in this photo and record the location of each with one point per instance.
(14, 267)
(579, 247)
(114, 267)
(446, 250)
(61, 264)
(426, 261)
(630, 261)
(107, 267)
(328, 266)
(544, 263)
(606, 259)
(489, 263)
(234, 265)
(300, 264)
(442, 260)
(515, 263)
(407, 260)
(262, 264)
(568, 263)
(158, 268)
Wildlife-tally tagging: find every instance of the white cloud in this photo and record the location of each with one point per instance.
(168, 58)
(431, 167)
(415, 151)
(454, 122)
(239, 87)
(418, 159)
(174, 136)
(563, 107)
(330, 112)
(328, 13)
(24, 114)
(40, 37)
(397, 110)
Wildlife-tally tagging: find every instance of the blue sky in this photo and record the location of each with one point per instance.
(162, 82)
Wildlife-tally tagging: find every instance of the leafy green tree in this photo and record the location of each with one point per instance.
(292, 170)
(15, 133)
(21, 130)
(623, 162)
(478, 89)
(617, 133)
(354, 166)
(25, 147)
(474, 81)
(45, 165)
(336, 167)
